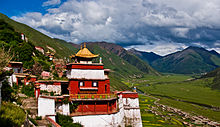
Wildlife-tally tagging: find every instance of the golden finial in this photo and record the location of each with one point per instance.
(84, 44)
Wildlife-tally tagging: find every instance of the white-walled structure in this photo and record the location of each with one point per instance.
(87, 96)
(51, 88)
(128, 113)
(46, 106)
(85, 74)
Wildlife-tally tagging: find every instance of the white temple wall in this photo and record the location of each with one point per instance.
(86, 74)
(10, 80)
(133, 117)
(125, 116)
(51, 88)
(131, 102)
(66, 109)
(112, 120)
(132, 112)
(14, 79)
(46, 106)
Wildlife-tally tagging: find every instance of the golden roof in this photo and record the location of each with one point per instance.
(48, 52)
(84, 52)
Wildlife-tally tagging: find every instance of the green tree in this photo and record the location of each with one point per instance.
(11, 115)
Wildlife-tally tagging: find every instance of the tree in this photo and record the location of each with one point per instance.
(37, 69)
(11, 115)
(4, 60)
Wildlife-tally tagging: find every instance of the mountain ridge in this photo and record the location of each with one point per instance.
(188, 61)
(130, 58)
(149, 57)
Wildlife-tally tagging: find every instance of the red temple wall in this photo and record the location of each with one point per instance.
(33, 79)
(15, 65)
(84, 66)
(98, 107)
(129, 95)
(74, 86)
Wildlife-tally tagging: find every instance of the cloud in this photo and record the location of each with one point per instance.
(160, 48)
(130, 22)
(51, 3)
(180, 32)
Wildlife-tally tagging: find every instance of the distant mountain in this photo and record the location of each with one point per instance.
(125, 55)
(190, 60)
(149, 57)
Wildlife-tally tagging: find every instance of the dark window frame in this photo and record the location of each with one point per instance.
(106, 88)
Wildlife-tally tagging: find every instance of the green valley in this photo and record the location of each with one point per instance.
(182, 92)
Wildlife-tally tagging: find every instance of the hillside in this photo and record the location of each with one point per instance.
(189, 61)
(216, 81)
(22, 51)
(149, 57)
(125, 55)
(38, 38)
(124, 65)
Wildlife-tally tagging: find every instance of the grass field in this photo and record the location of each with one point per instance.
(192, 91)
(151, 120)
(151, 79)
(179, 91)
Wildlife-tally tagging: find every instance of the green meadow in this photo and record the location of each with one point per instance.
(151, 120)
(180, 91)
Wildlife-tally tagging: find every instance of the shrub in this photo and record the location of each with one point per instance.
(73, 106)
(66, 121)
(7, 92)
(38, 118)
(51, 93)
(33, 121)
(65, 100)
(28, 90)
(11, 115)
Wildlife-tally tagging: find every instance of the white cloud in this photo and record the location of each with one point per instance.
(128, 21)
(180, 32)
(216, 49)
(51, 3)
(162, 48)
(199, 44)
(217, 44)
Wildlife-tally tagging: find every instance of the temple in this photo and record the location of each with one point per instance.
(89, 85)
(87, 96)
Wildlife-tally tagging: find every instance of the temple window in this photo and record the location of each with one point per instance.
(95, 84)
(81, 83)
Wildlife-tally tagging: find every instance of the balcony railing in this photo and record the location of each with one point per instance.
(93, 96)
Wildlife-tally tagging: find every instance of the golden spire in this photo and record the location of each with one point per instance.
(84, 44)
(84, 52)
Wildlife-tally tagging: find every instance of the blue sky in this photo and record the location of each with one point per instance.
(19, 7)
(161, 26)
